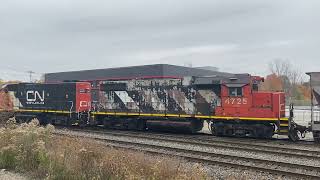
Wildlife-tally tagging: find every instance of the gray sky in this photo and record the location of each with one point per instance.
(236, 36)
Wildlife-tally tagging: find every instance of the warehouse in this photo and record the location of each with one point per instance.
(146, 71)
(159, 70)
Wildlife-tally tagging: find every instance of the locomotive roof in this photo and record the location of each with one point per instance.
(155, 70)
(234, 80)
(314, 79)
(310, 73)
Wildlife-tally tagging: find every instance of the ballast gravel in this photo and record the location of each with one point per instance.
(217, 172)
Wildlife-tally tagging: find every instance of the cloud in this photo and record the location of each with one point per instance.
(237, 36)
(279, 43)
(185, 51)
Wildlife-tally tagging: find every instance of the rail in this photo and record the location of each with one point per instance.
(210, 157)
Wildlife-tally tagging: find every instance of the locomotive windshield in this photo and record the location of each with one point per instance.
(235, 91)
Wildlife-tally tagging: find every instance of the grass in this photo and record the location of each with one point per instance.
(34, 150)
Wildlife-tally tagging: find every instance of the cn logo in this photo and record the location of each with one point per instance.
(35, 97)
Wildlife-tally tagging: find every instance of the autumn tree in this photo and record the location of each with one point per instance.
(272, 83)
(290, 76)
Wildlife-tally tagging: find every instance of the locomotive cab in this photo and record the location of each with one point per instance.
(240, 98)
(246, 111)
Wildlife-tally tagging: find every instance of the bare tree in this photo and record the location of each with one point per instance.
(280, 67)
(290, 76)
(284, 69)
(42, 78)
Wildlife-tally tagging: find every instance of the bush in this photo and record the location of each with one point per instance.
(35, 150)
(8, 158)
(23, 148)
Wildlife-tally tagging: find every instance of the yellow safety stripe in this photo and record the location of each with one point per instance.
(283, 131)
(284, 125)
(160, 115)
(39, 110)
(186, 116)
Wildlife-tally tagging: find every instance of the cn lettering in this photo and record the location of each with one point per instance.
(33, 96)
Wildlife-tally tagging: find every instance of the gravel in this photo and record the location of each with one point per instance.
(225, 172)
(218, 150)
(228, 151)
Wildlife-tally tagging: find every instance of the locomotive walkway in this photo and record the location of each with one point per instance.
(164, 145)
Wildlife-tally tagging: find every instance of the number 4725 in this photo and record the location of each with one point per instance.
(236, 101)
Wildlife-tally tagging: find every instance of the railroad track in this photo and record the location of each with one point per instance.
(216, 143)
(256, 164)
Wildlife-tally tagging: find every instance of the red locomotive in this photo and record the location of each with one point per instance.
(232, 105)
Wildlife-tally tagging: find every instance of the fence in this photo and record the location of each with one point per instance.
(302, 114)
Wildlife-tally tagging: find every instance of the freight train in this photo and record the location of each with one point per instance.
(229, 105)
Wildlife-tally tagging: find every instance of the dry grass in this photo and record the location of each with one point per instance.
(34, 150)
(95, 160)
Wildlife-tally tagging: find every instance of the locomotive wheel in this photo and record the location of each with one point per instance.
(213, 129)
(242, 130)
(293, 135)
(317, 140)
(264, 131)
(132, 124)
(316, 136)
(106, 123)
(217, 129)
(141, 125)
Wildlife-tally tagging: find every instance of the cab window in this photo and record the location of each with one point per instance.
(235, 91)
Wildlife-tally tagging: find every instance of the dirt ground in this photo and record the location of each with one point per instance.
(5, 175)
(4, 116)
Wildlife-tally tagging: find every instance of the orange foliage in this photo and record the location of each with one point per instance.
(272, 83)
(305, 91)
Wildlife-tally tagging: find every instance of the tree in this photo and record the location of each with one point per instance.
(289, 76)
(272, 83)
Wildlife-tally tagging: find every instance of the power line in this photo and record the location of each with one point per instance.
(30, 75)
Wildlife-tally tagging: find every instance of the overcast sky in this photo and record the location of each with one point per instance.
(235, 36)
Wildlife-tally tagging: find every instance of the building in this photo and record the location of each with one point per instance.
(155, 70)
(147, 71)
(211, 68)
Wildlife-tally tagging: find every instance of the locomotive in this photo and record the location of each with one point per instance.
(230, 105)
(315, 103)
(60, 103)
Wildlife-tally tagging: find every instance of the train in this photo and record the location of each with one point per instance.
(230, 105)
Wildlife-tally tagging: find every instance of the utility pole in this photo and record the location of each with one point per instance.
(30, 75)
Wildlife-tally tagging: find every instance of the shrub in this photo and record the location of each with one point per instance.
(35, 150)
(23, 147)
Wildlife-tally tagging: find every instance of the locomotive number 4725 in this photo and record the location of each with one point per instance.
(236, 101)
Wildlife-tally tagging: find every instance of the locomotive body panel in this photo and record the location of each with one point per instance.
(48, 97)
(240, 99)
(157, 96)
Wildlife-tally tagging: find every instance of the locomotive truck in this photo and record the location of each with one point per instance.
(230, 105)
